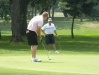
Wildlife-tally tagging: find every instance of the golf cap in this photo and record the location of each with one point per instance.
(49, 19)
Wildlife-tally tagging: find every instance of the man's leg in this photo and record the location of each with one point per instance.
(33, 50)
(52, 41)
(47, 43)
(54, 46)
(47, 46)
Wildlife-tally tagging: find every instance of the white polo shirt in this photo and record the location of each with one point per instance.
(49, 29)
(35, 22)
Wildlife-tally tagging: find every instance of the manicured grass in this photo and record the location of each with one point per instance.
(79, 56)
(61, 64)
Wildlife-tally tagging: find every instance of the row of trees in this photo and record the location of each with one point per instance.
(4, 9)
(76, 8)
(18, 12)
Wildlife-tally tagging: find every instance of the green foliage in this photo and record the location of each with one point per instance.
(77, 7)
(62, 6)
(43, 5)
(94, 15)
(5, 10)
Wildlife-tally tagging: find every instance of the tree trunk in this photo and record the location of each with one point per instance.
(35, 12)
(1, 15)
(23, 18)
(53, 12)
(81, 18)
(72, 33)
(49, 12)
(15, 17)
(32, 11)
(0, 34)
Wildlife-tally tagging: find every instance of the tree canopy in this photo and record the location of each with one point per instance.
(42, 5)
(76, 8)
(18, 11)
(20, 23)
(4, 9)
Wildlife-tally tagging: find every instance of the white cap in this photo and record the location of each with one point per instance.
(49, 19)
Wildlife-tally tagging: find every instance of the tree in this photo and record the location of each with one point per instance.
(18, 15)
(77, 7)
(18, 18)
(15, 18)
(23, 16)
(4, 10)
(0, 34)
(53, 12)
(43, 5)
(94, 15)
(53, 7)
(62, 6)
(81, 17)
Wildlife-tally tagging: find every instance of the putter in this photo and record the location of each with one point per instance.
(45, 49)
(59, 44)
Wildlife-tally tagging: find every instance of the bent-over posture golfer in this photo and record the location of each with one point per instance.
(48, 30)
(33, 32)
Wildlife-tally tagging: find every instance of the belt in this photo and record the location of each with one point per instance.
(49, 34)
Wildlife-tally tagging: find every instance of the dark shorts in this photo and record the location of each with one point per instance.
(49, 39)
(32, 37)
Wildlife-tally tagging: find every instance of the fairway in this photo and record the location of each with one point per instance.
(63, 63)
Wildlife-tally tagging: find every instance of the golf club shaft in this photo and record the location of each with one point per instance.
(59, 44)
(45, 49)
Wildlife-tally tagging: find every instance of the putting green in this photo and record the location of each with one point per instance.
(65, 63)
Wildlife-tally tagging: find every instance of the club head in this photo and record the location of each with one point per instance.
(49, 59)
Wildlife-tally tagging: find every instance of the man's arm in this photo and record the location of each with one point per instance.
(43, 32)
(39, 32)
(55, 30)
(56, 33)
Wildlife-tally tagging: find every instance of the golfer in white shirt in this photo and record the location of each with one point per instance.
(48, 30)
(33, 32)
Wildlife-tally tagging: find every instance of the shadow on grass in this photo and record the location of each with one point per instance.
(78, 44)
(5, 45)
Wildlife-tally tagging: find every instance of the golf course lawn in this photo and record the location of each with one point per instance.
(78, 56)
(80, 64)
